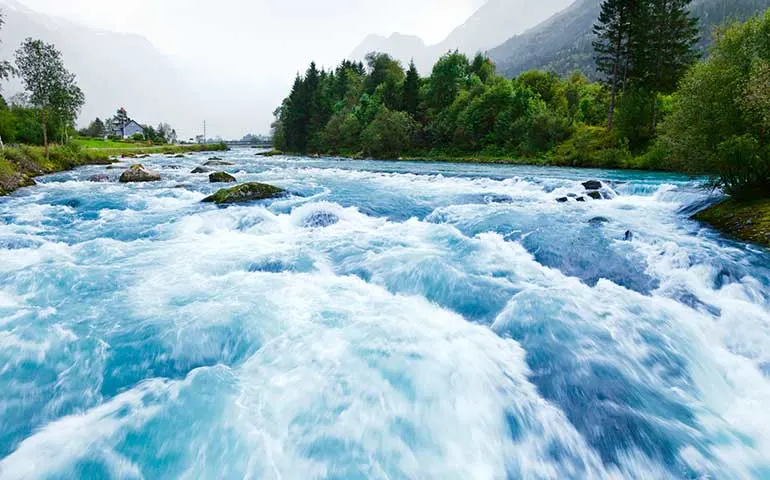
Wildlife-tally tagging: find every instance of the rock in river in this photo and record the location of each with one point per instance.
(246, 192)
(137, 173)
(100, 178)
(221, 177)
(201, 170)
(212, 163)
(593, 185)
(596, 195)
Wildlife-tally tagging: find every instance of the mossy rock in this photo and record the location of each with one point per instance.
(271, 153)
(138, 173)
(214, 163)
(748, 221)
(201, 170)
(9, 183)
(246, 192)
(221, 177)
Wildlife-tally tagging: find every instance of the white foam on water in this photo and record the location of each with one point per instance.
(323, 373)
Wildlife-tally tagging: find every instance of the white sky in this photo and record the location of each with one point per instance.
(295, 30)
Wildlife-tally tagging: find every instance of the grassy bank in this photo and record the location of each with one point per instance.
(19, 165)
(747, 221)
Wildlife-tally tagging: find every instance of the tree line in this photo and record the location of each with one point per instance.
(646, 56)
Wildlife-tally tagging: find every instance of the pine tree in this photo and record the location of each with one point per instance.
(294, 117)
(411, 90)
(611, 46)
(671, 44)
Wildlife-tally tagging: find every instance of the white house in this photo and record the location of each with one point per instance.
(128, 130)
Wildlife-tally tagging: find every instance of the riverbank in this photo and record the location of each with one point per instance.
(20, 165)
(747, 221)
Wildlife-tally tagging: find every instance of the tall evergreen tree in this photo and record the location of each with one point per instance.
(295, 117)
(411, 90)
(671, 40)
(611, 47)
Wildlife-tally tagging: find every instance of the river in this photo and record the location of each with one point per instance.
(384, 320)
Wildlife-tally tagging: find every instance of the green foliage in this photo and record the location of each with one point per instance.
(463, 107)
(634, 119)
(52, 88)
(22, 125)
(95, 129)
(449, 76)
(411, 98)
(389, 134)
(719, 120)
(386, 78)
(592, 147)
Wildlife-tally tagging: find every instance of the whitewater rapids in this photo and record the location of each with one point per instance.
(385, 320)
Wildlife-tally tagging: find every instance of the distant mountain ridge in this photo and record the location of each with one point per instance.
(490, 25)
(563, 43)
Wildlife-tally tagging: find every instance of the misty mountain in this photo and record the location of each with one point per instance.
(402, 47)
(497, 21)
(113, 70)
(490, 25)
(563, 43)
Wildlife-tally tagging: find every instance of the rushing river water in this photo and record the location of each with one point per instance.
(384, 320)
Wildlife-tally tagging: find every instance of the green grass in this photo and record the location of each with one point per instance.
(96, 143)
(19, 164)
(748, 221)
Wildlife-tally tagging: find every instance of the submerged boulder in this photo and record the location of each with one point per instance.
(138, 173)
(201, 170)
(221, 177)
(99, 178)
(246, 192)
(562, 200)
(320, 220)
(598, 221)
(217, 162)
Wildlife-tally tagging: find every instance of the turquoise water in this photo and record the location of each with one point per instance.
(384, 320)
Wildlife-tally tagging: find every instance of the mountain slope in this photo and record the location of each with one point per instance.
(112, 69)
(497, 21)
(493, 23)
(563, 43)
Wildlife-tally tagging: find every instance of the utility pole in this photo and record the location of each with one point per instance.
(204, 132)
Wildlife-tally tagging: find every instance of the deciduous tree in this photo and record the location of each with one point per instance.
(52, 88)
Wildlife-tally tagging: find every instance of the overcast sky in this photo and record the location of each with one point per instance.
(293, 29)
(253, 48)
